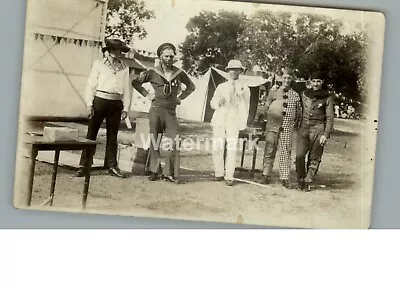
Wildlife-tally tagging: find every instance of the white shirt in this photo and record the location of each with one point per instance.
(104, 78)
(237, 102)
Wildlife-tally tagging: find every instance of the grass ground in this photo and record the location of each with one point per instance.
(336, 202)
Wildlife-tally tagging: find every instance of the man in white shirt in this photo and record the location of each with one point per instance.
(231, 103)
(107, 97)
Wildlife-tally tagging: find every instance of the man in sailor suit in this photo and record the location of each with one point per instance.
(166, 81)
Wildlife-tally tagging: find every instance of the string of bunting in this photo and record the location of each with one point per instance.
(67, 40)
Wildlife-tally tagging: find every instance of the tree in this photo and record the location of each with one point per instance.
(306, 43)
(212, 40)
(125, 18)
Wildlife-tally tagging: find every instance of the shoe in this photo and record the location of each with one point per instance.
(300, 184)
(218, 178)
(80, 172)
(286, 184)
(153, 176)
(307, 186)
(115, 172)
(229, 182)
(265, 179)
(171, 179)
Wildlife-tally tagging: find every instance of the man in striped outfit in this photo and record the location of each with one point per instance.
(283, 111)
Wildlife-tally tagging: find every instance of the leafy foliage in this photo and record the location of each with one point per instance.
(212, 40)
(272, 41)
(125, 18)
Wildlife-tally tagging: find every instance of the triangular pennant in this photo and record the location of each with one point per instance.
(41, 37)
(75, 41)
(80, 42)
(36, 36)
(54, 38)
(58, 40)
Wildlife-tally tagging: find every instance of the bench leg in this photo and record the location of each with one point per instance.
(34, 152)
(253, 166)
(54, 176)
(243, 150)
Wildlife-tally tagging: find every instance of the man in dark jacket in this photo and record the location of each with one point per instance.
(314, 131)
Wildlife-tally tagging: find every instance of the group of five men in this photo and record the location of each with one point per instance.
(310, 112)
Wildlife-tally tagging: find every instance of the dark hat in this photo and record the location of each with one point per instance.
(164, 46)
(115, 44)
(318, 75)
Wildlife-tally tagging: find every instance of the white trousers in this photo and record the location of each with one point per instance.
(228, 134)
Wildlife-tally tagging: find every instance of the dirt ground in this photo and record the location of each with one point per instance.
(336, 202)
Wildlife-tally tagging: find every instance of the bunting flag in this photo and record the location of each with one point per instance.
(60, 40)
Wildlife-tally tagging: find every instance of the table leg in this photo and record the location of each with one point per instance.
(243, 150)
(87, 177)
(54, 176)
(34, 152)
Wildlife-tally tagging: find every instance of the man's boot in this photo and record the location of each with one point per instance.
(265, 179)
(309, 179)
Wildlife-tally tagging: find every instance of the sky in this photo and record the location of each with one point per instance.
(171, 17)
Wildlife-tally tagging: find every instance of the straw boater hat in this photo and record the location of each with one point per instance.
(234, 64)
(165, 46)
(115, 44)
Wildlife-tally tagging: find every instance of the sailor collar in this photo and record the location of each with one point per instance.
(176, 71)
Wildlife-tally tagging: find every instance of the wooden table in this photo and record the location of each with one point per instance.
(40, 144)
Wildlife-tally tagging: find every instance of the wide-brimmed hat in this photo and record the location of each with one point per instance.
(164, 46)
(115, 44)
(234, 64)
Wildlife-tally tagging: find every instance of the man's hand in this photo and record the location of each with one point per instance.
(178, 100)
(275, 87)
(90, 111)
(323, 140)
(124, 115)
(151, 96)
(222, 101)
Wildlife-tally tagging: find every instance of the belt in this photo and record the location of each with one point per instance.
(110, 93)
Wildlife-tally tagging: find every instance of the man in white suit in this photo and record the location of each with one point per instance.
(231, 104)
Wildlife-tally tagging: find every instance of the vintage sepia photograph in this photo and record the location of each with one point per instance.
(202, 110)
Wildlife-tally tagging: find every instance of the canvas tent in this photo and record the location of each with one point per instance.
(197, 106)
(62, 40)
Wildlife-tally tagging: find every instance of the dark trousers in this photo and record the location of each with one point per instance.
(111, 111)
(164, 120)
(308, 142)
